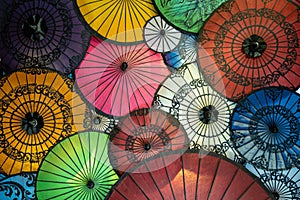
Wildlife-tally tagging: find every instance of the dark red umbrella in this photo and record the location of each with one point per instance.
(142, 134)
(118, 79)
(247, 45)
(194, 175)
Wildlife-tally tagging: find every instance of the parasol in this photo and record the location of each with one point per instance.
(284, 184)
(34, 116)
(199, 175)
(142, 134)
(41, 33)
(160, 36)
(265, 128)
(187, 15)
(119, 21)
(18, 187)
(203, 113)
(118, 79)
(78, 168)
(247, 45)
(184, 53)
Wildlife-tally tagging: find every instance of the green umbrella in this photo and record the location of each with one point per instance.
(77, 168)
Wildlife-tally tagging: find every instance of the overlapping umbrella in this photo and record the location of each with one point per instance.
(41, 33)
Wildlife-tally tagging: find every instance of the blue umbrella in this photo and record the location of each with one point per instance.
(265, 128)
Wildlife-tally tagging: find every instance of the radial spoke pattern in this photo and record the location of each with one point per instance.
(77, 168)
(265, 128)
(247, 45)
(41, 33)
(118, 79)
(195, 175)
(120, 21)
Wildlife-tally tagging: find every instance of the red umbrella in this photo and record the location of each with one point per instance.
(118, 79)
(247, 45)
(194, 175)
(142, 134)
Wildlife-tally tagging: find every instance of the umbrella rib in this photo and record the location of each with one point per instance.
(229, 185)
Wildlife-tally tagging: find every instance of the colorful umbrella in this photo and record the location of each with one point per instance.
(142, 134)
(34, 116)
(203, 113)
(18, 187)
(41, 33)
(120, 21)
(194, 175)
(265, 128)
(284, 184)
(184, 53)
(160, 36)
(118, 79)
(78, 168)
(185, 14)
(247, 45)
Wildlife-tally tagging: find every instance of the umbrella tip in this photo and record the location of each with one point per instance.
(124, 66)
(90, 184)
(147, 147)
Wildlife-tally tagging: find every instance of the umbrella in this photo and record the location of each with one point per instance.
(247, 45)
(187, 15)
(265, 128)
(119, 21)
(142, 134)
(41, 33)
(18, 187)
(34, 116)
(184, 53)
(118, 79)
(194, 175)
(78, 168)
(203, 113)
(160, 36)
(284, 184)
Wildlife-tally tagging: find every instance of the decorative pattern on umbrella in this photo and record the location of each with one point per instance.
(203, 113)
(194, 175)
(118, 79)
(160, 36)
(41, 33)
(120, 21)
(184, 53)
(142, 134)
(187, 15)
(34, 116)
(265, 128)
(284, 184)
(77, 168)
(247, 45)
(18, 187)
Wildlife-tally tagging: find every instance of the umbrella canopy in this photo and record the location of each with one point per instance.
(194, 175)
(184, 53)
(247, 45)
(187, 15)
(35, 114)
(78, 168)
(119, 21)
(203, 113)
(265, 128)
(284, 184)
(18, 187)
(160, 36)
(118, 79)
(41, 33)
(142, 134)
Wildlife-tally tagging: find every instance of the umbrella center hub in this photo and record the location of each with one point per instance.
(147, 147)
(208, 114)
(97, 120)
(254, 46)
(90, 184)
(162, 32)
(276, 195)
(273, 128)
(124, 66)
(32, 123)
(35, 28)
